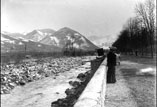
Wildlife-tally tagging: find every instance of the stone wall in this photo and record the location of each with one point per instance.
(94, 93)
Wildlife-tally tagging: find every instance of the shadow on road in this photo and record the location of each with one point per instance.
(133, 72)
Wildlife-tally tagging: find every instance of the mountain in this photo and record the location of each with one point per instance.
(37, 35)
(45, 40)
(67, 37)
(9, 44)
(50, 40)
(13, 35)
(16, 35)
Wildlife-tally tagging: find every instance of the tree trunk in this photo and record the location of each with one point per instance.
(142, 51)
(151, 45)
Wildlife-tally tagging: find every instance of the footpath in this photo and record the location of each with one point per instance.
(118, 94)
(133, 87)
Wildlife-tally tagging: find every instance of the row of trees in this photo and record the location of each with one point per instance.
(139, 33)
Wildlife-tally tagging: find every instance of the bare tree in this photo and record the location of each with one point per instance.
(133, 28)
(133, 37)
(146, 12)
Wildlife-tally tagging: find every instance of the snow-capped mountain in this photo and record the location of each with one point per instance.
(37, 35)
(50, 40)
(7, 39)
(46, 40)
(9, 44)
(67, 37)
(13, 35)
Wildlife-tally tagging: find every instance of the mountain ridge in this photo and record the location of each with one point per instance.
(66, 36)
(59, 40)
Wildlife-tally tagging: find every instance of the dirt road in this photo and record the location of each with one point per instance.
(135, 86)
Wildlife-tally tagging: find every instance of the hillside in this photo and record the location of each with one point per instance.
(45, 40)
(9, 44)
(37, 35)
(67, 37)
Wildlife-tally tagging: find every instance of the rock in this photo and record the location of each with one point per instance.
(54, 104)
(57, 92)
(70, 82)
(29, 80)
(22, 83)
(81, 76)
(6, 91)
(2, 92)
(70, 91)
(60, 101)
(73, 93)
(31, 69)
(75, 84)
(11, 85)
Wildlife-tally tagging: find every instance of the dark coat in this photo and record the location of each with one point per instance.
(111, 59)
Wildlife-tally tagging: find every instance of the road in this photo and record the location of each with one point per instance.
(135, 86)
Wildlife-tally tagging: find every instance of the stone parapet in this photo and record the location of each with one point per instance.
(94, 93)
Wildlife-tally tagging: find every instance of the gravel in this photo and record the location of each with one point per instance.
(30, 70)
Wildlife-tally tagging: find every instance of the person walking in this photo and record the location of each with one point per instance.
(111, 64)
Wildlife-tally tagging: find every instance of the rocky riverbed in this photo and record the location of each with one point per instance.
(30, 70)
(42, 92)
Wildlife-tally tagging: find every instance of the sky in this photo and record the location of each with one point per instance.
(98, 20)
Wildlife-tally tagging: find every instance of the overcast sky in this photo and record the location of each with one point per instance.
(92, 18)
